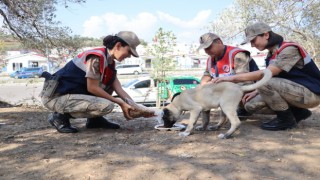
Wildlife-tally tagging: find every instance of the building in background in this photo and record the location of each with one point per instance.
(185, 56)
(258, 56)
(28, 60)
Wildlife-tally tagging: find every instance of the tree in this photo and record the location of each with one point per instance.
(7, 42)
(296, 20)
(229, 26)
(32, 22)
(161, 51)
(162, 57)
(74, 45)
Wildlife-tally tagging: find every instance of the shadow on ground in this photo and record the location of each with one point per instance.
(31, 149)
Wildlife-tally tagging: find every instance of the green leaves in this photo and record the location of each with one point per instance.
(32, 23)
(162, 58)
(295, 20)
(162, 53)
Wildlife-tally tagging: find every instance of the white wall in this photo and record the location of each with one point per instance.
(26, 61)
(134, 60)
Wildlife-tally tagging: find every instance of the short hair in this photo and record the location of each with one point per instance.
(110, 41)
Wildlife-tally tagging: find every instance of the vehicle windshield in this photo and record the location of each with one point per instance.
(126, 85)
(185, 81)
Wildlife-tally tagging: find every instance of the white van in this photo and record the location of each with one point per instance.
(129, 69)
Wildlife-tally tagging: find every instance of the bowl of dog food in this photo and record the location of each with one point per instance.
(175, 127)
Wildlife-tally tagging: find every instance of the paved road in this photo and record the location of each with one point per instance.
(21, 93)
(27, 92)
(24, 92)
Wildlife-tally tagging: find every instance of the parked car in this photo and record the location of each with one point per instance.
(144, 90)
(173, 86)
(129, 69)
(34, 72)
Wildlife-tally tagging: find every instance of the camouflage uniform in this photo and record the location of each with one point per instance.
(279, 93)
(241, 64)
(67, 92)
(241, 61)
(80, 105)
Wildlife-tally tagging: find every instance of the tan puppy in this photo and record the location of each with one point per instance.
(227, 95)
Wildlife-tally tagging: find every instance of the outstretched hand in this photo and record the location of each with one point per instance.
(126, 108)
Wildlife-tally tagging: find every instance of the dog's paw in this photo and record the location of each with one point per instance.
(213, 128)
(199, 128)
(184, 134)
(224, 136)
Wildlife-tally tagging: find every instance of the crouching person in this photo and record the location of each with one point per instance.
(83, 87)
(294, 87)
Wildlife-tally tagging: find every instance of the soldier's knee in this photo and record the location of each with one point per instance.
(251, 108)
(108, 109)
(272, 84)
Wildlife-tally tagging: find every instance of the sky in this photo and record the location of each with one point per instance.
(186, 19)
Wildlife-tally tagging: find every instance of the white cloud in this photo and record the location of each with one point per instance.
(199, 20)
(146, 24)
(111, 23)
(187, 31)
(93, 27)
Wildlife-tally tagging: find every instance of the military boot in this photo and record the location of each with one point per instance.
(285, 120)
(100, 122)
(300, 113)
(243, 114)
(62, 123)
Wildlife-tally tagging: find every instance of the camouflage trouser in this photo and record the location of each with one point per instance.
(79, 105)
(278, 94)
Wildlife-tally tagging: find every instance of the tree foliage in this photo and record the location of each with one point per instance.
(33, 23)
(7, 42)
(161, 51)
(296, 20)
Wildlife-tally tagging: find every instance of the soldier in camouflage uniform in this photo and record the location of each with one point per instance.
(224, 61)
(83, 87)
(295, 85)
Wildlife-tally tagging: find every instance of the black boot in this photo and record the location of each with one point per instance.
(243, 114)
(61, 123)
(300, 113)
(101, 122)
(285, 120)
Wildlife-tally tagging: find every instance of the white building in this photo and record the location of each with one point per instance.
(258, 56)
(133, 60)
(16, 62)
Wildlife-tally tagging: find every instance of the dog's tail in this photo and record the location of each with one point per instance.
(267, 75)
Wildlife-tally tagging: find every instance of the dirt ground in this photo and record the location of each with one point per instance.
(30, 148)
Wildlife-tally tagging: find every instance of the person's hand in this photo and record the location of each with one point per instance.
(126, 108)
(222, 79)
(249, 96)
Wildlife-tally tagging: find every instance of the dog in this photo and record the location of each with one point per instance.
(203, 98)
